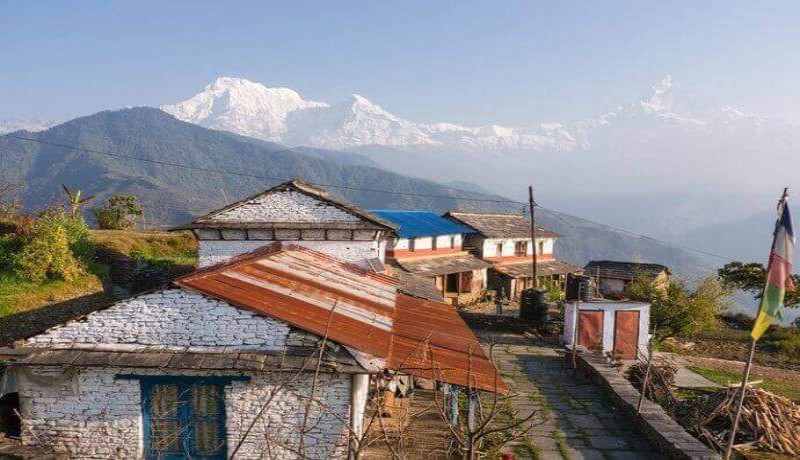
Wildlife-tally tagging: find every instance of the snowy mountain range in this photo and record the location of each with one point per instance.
(666, 164)
(282, 115)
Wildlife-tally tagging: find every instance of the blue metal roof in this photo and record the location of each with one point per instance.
(421, 223)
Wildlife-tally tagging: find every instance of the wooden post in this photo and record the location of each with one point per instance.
(740, 402)
(749, 365)
(532, 205)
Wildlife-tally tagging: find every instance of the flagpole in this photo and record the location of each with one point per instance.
(749, 365)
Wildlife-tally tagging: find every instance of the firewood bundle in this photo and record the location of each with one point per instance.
(660, 383)
(768, 421)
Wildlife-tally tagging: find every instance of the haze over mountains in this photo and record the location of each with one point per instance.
(172, 195)
(673, 164)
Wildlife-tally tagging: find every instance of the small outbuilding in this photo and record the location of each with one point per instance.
(612, 276)
(619, 328)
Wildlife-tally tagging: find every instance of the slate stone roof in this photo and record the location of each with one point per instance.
(357, 218)
(443, 265)
(543, 268)
(500, 225)
(421, 223)
(417, 285)
(627, 271)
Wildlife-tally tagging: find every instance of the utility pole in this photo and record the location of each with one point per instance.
(532, 205)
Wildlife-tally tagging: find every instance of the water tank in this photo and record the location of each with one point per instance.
(576, 284)
(533, 304)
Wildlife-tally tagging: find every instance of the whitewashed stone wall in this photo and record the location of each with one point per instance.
(286, 206)
(490, 246)
(212, 252)
(89, 413)
(170, 318)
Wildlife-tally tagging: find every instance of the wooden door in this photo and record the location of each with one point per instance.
(626, 334)
(590, 330)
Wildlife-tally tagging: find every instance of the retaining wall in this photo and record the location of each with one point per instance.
(652, 422)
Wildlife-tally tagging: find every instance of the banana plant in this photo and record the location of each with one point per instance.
(75, 200)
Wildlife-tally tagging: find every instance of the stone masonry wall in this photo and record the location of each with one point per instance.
(89, 413)
(212, 252)
(286, 206)
(170, 318)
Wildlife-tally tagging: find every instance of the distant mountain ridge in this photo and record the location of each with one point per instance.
(172, 195)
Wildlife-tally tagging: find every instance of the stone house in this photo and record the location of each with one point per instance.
(504, 240)
(294, 212)
(228, 359)
(612, 276)
(428, 245)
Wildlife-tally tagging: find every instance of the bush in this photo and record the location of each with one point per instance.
(118, 214)
(677, 310)
(47, 255)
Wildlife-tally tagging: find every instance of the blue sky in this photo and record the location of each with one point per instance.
(512, 63)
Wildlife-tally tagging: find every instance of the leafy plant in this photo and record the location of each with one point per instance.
(76, 201)
(47, 255)
(118, 213)
(675, 309)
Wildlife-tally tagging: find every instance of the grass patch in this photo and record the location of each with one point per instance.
(786, 388)
(561, 443)
(18, 295)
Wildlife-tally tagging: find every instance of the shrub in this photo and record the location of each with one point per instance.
(677, 310)
(118, 214)
(47, 255)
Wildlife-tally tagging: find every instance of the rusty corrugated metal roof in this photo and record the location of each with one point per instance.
(432, 341)
(300, 286)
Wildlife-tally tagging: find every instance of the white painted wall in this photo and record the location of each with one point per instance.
(89, 413)
(426, 242)
(608, 309)
(489, 246)
(212, 252)
(170, 318)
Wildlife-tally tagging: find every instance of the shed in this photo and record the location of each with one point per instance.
(620, 328)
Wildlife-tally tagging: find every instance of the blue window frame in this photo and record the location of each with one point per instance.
(184, 417)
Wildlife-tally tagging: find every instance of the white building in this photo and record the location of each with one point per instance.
(428, 245)
(505, 241)
(293, 212)
(618, 328)
(224, 359)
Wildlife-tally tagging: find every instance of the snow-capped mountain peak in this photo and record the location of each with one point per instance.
(283, 115)
(243, 107)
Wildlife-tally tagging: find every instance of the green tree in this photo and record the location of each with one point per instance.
(676, 309)
(119, 213)
(751, 277)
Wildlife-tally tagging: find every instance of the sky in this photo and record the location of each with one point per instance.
(505, 62)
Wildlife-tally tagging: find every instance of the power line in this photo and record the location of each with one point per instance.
(252, 176)
(347, 187)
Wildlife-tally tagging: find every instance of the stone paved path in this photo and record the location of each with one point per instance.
(573, 420)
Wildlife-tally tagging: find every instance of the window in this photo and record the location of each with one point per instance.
(521, 248)
(411, 244)
(499, 250)
(184, 417)
(433, 243)
(541, 247)
(452, 241)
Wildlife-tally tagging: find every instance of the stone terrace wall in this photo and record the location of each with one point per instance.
(658, 427)
(89, 413)
(170, 318)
